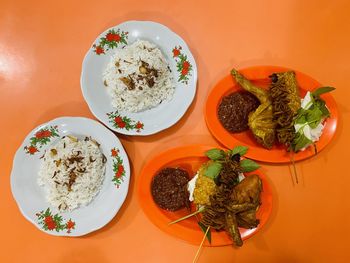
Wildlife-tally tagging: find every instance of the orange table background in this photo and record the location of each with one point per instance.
(42, 45)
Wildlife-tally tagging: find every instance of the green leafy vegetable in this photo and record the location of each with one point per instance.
(315, 123)
(242, 150)
(301, 117)
(322, 90)
(300, 141)
(213, 170)
(215, 154)
(322, 106)
(204, 229)
(314, 115)
(248, 165)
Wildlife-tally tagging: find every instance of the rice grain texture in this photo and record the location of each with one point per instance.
(72, 172)
(138, 77)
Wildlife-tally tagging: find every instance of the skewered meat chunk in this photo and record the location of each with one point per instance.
(285, 103)
(233, 204)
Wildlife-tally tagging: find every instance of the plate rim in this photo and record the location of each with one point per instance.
(198, 148)
(254, 152)
(19, 152)
(142, 132)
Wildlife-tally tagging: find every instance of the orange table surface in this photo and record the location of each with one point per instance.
(42, 45)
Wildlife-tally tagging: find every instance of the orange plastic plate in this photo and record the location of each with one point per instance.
(259, 75)
(190, 158)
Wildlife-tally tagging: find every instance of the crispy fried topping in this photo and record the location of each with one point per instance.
(53, 152)
(129, 83)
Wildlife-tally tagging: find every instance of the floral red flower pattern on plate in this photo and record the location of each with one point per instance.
(51, 222)
(118, 167)
(124, 122)
(41, 138)
(183, 66)
(111, 40)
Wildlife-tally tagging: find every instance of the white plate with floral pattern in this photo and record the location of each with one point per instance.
(181, 63)
(30, 197)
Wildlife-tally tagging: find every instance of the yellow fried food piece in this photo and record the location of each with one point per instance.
(260, 121)
(205, 187)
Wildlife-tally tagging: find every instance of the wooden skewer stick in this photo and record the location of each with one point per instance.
(201, 245)
(201, 209)
(294, 168)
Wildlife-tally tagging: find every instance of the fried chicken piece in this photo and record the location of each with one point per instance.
(237, 208)
(260, 121)
(247, 219)
(230, 206)
(232, 228)
(247, 191)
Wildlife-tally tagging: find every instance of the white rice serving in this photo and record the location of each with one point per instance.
(72, 172)
(138, 77)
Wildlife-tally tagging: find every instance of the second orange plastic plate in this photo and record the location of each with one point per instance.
(190, 158)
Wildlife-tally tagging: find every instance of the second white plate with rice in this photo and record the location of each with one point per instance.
(70, 176)
(139, 78)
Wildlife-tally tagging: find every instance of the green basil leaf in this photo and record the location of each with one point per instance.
(322, 107)
(204, 229)
(301, 116)
(213, 170)
(300, 141)
(314, 114)
(215, 154)
(242, 150)
(314, 124)
(248, 165)
(322, 90)
(300, 119)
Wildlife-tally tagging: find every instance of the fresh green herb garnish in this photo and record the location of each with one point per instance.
(248, 165)
(213, 170)
(300, 141)
(313, 114)
(309, 116)
(242, 150)
(215, 154)
(322, 90)
(322, 106)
